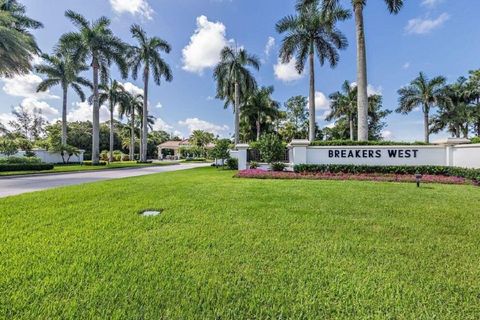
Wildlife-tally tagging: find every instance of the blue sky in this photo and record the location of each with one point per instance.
(439, 37)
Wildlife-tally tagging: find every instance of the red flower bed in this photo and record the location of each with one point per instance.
(262, 174)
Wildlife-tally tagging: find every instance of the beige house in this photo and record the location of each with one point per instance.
(174, 148)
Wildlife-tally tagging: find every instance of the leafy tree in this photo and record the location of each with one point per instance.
(65, 151)
(147, 54)
(271, 148)
(394, 6)
(260, 109)
(95, 41)
(297, 118)
(312, 32)
(112, 93)
(62, 69)
(28, 124)
(17, 44)
(344, 104)
(473, 92)
(8, 147)
(201, 139)
(234, 79)
(221, 150)
(424, 93)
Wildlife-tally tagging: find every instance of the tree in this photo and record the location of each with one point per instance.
(147, 54)
(424, 93)
(8, 147)
(344, 104)
(221, 150)
(28, 124)
(95, 41)
(394, 6)
(308, 33)
(260, 108)
(130, 105)
(17, 44)
(473, 92)
(62, 69)
(234, 80)
(112, 94)
(297, 117)
(201, 138)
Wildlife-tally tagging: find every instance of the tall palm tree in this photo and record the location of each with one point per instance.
(61, 69)
(234, 79)
(131, 105)
(95, 42)
(261, 108)
(112, 93)
(344, 103)
(308, 33)
(394, 6)
(17, 44)
(473, 92)
(424, 93)
(147, 54)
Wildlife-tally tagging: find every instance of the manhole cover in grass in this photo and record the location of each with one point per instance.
(151, 212)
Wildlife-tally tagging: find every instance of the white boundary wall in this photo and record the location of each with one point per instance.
(51, 157)
(445, 154)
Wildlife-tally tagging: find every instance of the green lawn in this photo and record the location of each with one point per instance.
(228, 248)
(75, 168)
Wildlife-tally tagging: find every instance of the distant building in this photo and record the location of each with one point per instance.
(170, 150)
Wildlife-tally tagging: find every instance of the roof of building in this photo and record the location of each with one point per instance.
(174, 144)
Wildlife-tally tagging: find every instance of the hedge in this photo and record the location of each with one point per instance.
(476, 140)
(472, 174)
(25, 167)
(330, 143)
(90, 163)
(20, 160)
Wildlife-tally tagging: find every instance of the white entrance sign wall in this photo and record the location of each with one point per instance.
(51, 157)
(445, 154)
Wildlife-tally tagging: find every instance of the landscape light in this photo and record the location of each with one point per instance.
(418, 179)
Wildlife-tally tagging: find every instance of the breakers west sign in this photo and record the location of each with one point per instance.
(373, 153)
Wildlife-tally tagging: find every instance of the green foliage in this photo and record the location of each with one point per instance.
(13, 167)
(20, 160)
(364, 143)
(8, 147)
(232, 163)
(191, 152)
(475, 140)
(90, 163)
(253, 165)
(472, 174)
(271, 148)
(278, 166)
(221, 149)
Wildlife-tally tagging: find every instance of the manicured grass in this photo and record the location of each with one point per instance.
(75, 168)
(229, 248)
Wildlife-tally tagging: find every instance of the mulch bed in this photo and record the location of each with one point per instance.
(262, 174)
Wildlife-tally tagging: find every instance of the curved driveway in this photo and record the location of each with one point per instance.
(18, 185)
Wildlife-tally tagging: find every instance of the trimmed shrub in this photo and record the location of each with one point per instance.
(331, 143)
(195, 160)
(145, 162)
(278, 166)
(11, 167)
(20, 160)
(253, 165)
(271, 148)
(476, 140)
(125, 157)
(232, 163)
(472, 174)
(90, 163)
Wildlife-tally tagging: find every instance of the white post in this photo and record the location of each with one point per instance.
(299, 151)
(242, 156)
(449, 144)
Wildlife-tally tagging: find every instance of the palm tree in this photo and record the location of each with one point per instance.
(261, 108)
(473, 92)
(424, 93)
(130, 105)
(112, 93)
(312, 32)
(147, 54)
(96, 42)
(344, 103)
(63, 70)
(234, 79)
(394, 6)
(17, 44)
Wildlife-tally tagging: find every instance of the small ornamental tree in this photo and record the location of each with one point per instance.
(220, 151)
(271, 148)
(8, 147)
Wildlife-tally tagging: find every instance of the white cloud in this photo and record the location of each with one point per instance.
(371, 90)
(205, 46)
(321, 101)
(269, 46)
(430, 3)
(134, 7)
(31, 104)
(406, 65)
(387, 135)
(132, 89)
(286, 71)
(196, 124)
(83, 112)
(161, 125)
(5, 119)
(425, 26)
(25, 86)
(159, 105)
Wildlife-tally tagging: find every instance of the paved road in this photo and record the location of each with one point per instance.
(15, 186)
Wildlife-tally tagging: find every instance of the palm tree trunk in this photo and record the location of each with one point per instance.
(96, 116)
(64, 116)
(478, 128)
(362, 81)
(132, 136)
(258, 128)
(110, 155)
(426, 123)
(351, 127)
(146, 74)
(237, 113)
(311, 100)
